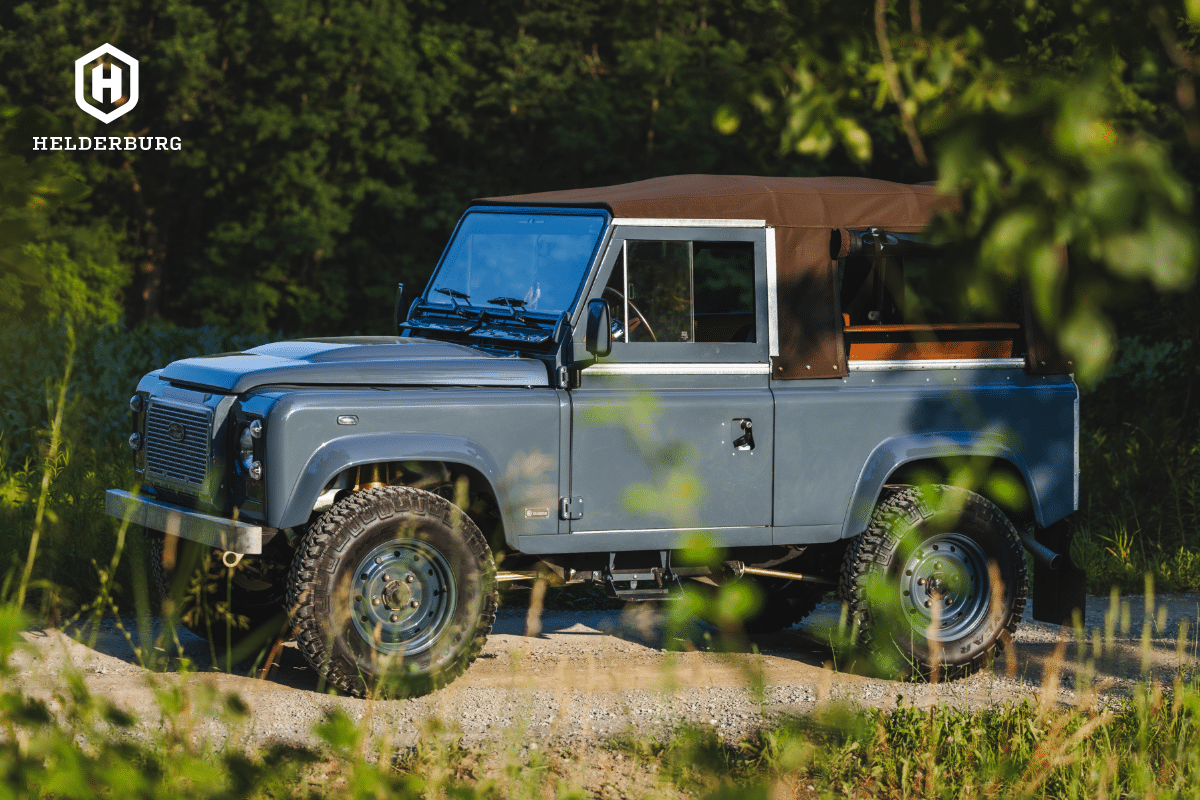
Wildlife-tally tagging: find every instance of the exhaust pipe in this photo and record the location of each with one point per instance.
(1040, 552)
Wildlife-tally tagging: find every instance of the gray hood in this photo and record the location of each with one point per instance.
(355, 361)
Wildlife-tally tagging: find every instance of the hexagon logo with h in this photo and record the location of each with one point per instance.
(108, 86)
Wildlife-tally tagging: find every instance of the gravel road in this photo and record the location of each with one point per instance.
(593, 674)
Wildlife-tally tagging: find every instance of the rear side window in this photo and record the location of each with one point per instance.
(914, 290)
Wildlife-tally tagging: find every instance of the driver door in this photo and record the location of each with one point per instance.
(674, 430)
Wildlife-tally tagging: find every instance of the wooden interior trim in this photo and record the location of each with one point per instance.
(965, 326)
(908, 351)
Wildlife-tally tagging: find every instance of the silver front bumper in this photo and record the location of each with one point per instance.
(226, 534)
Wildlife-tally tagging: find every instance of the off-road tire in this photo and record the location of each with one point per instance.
(201, 602)
(346, 561)
(918, 534)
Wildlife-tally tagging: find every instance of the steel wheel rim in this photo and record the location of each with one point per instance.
(945, 578)
(402, 596)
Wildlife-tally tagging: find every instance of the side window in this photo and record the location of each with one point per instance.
(683, 291)
(913, 290)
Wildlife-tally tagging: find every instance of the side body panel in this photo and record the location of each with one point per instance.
(655, 427)
(638, 438)
(837, 441)
(511, 436)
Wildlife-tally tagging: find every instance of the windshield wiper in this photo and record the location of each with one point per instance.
(455, 296)
(513, 304)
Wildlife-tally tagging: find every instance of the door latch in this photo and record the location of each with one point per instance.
(570, 508)
(746, 440)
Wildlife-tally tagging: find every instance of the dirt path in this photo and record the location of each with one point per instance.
(597, 673)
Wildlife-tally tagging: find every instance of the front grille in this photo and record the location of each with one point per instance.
(177, 442)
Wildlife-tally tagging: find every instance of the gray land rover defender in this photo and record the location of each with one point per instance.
(594, 377)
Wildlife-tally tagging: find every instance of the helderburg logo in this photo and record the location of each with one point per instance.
(119, 87)
(106, 87)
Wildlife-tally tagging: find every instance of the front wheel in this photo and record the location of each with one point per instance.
(393, 591)
(936, 583)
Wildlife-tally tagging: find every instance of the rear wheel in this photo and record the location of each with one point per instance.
(936, 583)
(393, 591)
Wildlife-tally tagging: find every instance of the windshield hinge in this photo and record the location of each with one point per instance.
(570, 508)
(567, 378)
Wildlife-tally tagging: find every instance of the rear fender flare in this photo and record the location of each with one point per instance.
(895, 452)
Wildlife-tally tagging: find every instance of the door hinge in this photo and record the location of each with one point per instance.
(570, 508)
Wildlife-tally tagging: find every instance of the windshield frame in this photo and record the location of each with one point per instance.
(442, 304)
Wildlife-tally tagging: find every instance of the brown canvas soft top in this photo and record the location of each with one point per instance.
(804, 212)
(783, 202)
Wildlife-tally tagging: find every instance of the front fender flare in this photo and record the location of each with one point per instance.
(893, 453)
(333, 457)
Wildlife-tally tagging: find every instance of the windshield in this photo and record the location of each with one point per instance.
(528, 259)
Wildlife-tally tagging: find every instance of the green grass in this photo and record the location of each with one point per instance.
(84, 746)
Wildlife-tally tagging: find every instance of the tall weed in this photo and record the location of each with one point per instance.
(70, 436)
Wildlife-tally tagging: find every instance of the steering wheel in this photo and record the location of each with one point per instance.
(640, 316)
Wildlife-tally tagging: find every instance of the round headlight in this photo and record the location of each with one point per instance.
(137, 404)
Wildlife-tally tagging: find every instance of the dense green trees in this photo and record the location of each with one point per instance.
(328, 147)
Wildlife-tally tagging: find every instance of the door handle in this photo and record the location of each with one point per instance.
(746, 440)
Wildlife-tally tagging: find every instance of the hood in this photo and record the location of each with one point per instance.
(355, 361)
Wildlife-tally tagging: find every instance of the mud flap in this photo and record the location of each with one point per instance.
(1057, 593)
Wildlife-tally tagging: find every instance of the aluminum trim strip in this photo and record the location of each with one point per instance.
(937, 363)
(227, 534)
(772, 297)
(690, 223)
(678, 369)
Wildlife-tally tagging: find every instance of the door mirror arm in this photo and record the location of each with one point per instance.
(396, 310)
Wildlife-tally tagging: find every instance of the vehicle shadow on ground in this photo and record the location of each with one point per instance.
(639, 631)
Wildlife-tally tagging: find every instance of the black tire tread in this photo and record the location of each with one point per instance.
(332, 532)
(871, 552)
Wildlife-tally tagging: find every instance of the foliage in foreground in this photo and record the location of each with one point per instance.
(79, 745)
(93, 456)
(194, 743)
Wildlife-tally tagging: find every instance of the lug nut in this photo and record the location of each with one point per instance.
(375, 601)
(920, 582)
(927, 604)
(378, 559)
(395, 617)
(415, 604)
(409, 578)
(387, 578)
(937, 565)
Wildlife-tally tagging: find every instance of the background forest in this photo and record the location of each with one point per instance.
(329, 147)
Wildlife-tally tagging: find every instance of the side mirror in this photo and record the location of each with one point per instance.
(396, 311)
(598, 338)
